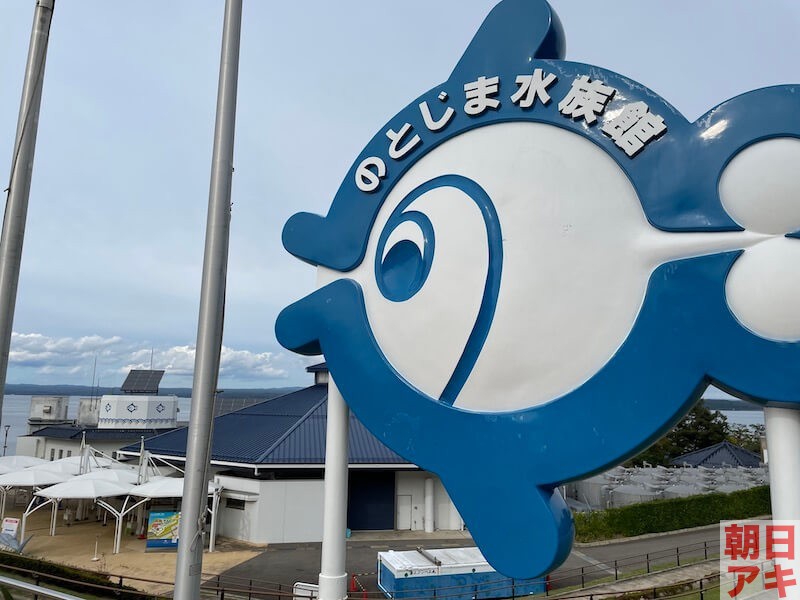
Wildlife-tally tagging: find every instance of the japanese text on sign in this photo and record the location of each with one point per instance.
(630, 126)
(759, 557)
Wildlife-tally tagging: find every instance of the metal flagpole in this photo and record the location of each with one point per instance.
(333, 576)
(19, 185)
(210, 321)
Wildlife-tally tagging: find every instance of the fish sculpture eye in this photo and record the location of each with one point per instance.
(402, 265)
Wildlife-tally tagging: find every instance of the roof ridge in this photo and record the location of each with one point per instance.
(291, 429)
(263, 402)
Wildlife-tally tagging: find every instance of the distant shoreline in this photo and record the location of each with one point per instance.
(29, 389)
(724, 404)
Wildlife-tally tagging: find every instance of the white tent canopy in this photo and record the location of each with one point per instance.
(58, 466)
(27, 479)
(82, 488)
(32, 478)
(16, 463)
(126, 476)
(72, 464)
(89, 477)
(164, 487)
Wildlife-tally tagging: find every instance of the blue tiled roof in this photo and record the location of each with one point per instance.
(286, 430)
(720, 455)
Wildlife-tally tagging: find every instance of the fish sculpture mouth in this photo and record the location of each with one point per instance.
(517, 292)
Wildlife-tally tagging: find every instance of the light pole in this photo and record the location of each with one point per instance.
(5, 440)
(210, 320)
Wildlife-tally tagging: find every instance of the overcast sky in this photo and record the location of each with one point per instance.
(114, 242)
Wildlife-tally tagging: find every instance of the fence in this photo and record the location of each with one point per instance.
(634, 565)
(224, 587)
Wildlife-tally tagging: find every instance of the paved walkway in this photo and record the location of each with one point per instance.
(661, 579)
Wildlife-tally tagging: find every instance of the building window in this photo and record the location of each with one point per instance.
(60, 454)
(52, 453)
(69, 453)
(234, 503)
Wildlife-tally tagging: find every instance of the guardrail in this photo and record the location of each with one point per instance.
(36, 590)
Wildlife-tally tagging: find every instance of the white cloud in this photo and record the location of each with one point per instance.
(38, 358)
(179, 360)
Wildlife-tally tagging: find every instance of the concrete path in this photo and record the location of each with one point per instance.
(643, 583)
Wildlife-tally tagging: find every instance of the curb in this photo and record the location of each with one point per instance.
(645, 536)
(648, 536)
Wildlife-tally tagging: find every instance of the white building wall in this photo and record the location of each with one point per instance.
(27, 446)
(284, 511)
(49, 408)
(133, 411)
(53, 448)
(303, 508)
(239, 524)
(447, 516)
(88, 412)
(410, 484)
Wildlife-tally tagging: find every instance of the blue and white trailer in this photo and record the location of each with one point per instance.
(448, 573)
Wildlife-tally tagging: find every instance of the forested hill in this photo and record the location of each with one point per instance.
(29, 389)
(725, 404)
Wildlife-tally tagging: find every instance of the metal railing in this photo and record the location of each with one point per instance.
(221, 587)
(633, 566)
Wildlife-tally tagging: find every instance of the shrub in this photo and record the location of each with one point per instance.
(668, 515)
(64, 576)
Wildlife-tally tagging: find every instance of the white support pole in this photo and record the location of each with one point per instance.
(25, 518)
(212, 542)
(140, 524)
(429, 505)
(53, 517)
(117, 533)
(332, 576)
(783, 445)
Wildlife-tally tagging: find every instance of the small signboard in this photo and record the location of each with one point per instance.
(10, 526)
(305, 591)
(162, 530)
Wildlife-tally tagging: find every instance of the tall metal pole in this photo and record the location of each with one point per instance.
(19, 186)
(333, 576)
(210, 322)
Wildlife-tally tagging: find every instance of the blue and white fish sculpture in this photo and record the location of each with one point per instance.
(535, 269)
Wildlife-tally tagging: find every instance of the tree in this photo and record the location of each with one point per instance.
(746, 436)
(699, 429)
